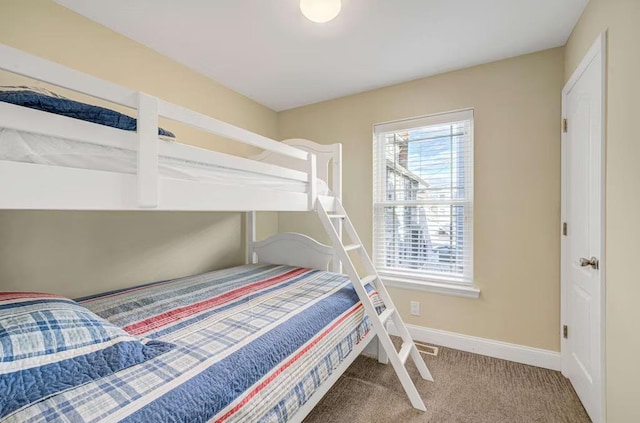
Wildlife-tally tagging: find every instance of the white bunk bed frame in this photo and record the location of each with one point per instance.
(28, 186)
(81, 189)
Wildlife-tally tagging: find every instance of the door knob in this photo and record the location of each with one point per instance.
(593, 262)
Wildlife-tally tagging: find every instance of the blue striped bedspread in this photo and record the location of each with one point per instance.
(253, 344)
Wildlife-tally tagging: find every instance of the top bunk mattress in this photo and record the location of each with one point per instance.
(27, 147)
(252, 344)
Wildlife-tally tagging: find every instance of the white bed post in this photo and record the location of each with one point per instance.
(336, 189)
(312, 173)
(147, 151)
(336, 170)
(250, 236)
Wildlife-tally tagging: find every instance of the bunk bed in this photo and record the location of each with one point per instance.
(259, 342)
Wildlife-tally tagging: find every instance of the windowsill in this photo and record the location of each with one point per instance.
(466, 291)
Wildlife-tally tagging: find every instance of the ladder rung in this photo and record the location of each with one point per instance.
(352, 247)
(405, 351)
(336, 216)
(386, 314)
(368, 279)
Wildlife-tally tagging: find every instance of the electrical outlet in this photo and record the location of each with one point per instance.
(415, 308)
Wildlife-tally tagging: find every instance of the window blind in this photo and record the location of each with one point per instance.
(423, 198)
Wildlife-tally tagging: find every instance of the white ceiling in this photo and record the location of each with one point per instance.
(266, 49)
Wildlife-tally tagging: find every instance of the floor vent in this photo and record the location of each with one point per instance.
(427, 349)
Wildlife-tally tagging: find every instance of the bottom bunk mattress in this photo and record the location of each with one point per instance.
(252, 344)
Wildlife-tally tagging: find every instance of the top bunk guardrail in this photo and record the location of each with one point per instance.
(149, 109)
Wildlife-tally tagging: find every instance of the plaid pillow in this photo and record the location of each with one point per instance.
(49, 344)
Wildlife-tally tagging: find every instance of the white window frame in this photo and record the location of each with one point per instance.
(440, 284)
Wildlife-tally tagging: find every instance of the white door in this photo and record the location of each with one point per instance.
(583, 244)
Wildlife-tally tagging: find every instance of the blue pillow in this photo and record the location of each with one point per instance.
(49, 344)
(47, 101)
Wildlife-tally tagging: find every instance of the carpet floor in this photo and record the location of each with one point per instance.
(468, 388)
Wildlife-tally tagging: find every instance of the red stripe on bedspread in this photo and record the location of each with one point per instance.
(288, 363)
(171, 316)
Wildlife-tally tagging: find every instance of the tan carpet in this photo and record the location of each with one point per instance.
(467, 388)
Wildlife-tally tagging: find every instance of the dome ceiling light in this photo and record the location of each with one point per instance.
(320, 11)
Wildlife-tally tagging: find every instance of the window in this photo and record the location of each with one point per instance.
(423, 199)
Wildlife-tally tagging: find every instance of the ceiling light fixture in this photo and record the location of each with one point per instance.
(320, 11)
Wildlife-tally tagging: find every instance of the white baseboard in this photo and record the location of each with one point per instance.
(519, 353)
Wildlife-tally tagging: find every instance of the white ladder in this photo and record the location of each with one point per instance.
(332, 222)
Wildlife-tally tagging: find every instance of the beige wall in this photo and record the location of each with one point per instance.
(517, 190)
(79, 253)
(622, 20)
(517, 104)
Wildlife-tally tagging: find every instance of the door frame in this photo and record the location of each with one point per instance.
(598, 47)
